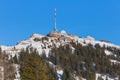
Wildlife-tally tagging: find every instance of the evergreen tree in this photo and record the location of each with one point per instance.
(34, 68)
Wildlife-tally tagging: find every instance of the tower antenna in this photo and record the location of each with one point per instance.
(55, 27)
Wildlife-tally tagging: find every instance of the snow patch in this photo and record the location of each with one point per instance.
(108, 52)
(104, 77)
(59, 74)
(90, 38)
(115, 61)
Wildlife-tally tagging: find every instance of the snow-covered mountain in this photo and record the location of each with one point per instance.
(44, 44)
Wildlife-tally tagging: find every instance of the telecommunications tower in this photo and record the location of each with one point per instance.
(55, 27)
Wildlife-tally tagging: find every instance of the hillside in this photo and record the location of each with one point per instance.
(67, 57)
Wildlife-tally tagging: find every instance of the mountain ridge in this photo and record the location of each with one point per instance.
(75, 38)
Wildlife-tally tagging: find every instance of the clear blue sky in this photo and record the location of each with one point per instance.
(98, 18)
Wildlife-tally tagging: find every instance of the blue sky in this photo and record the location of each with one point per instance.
(19, 19)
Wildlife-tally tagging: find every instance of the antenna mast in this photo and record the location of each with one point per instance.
(55, 28)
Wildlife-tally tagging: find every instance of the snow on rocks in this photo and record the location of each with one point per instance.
(36, 36)
(76, 78)
(104, 77)
(17, 75)
(90, 38)
(46, 51)
(83, 79)
(59, 74)
(115, 61)
(108, 52)
(73, 49)
(92, 41)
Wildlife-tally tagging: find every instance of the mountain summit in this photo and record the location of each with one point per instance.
(41, 42)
